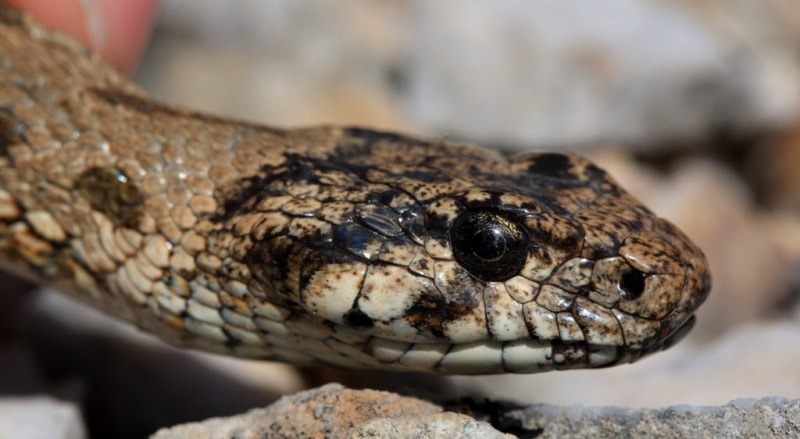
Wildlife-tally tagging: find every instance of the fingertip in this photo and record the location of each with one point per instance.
(117, 30)
(122, 29)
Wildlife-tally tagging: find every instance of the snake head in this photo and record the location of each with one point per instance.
(455, 259)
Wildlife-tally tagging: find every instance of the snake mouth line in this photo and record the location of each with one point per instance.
(521, 356)
(673, 338)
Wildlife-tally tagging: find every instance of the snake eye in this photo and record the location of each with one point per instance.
(489, 244)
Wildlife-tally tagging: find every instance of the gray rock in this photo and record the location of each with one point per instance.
(764, 418)
(441, 425)
(333, 411)
(39, 417)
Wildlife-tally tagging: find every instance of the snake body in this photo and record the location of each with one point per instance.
(330, 245)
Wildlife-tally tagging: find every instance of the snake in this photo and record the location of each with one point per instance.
(329, 245)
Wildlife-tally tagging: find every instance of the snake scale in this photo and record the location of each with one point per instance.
(329, 245)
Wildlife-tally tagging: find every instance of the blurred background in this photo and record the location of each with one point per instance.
(692, 105)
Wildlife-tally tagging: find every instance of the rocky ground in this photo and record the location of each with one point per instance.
(692, 105)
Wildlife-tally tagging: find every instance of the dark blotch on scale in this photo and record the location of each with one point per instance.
(428, 314)
(552, 165)
(358, 319)
(564, 167)
(110, 191)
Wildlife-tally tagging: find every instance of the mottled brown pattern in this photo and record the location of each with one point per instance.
(323, 245)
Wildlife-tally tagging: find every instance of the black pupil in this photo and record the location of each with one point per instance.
(489, 244)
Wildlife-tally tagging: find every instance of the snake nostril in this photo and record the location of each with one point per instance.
(631, 284)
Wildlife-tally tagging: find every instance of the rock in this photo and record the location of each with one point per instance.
(441, 425)
(764, 418)
(333, 411)
(40, 417)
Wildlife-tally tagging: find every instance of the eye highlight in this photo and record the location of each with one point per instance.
(489, 244)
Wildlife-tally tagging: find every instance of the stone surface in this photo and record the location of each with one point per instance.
(765, 418)
(40, 417)
(333, 411)
(442, 425)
